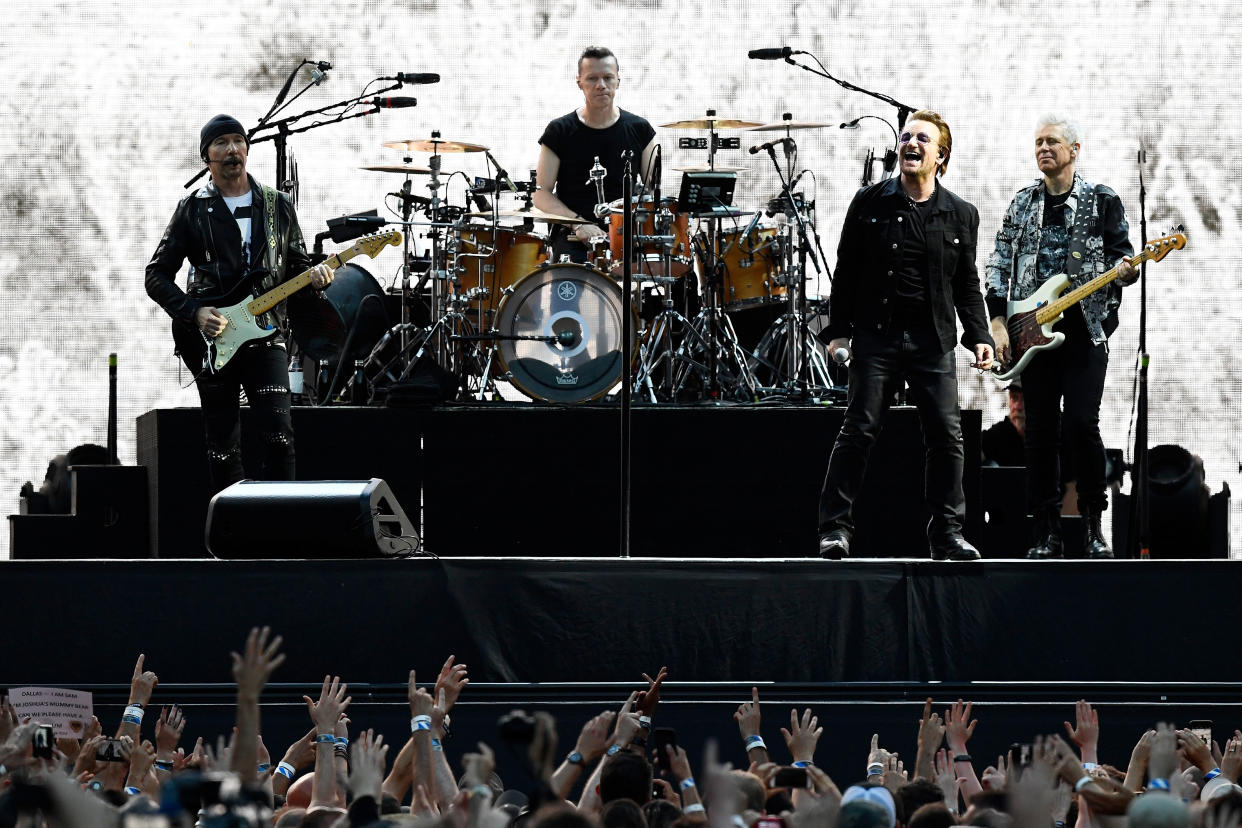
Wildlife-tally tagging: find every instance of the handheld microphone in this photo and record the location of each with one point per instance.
(501, 175)
(841, 356)
(393, 103)
(414, 77)
(786, 142)
(770, 54)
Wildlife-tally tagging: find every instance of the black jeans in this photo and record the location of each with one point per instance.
(1073, 373)
(262, 369)
(881, 361)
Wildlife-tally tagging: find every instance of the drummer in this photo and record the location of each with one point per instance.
(570, 144)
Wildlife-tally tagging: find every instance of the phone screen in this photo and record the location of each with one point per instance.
(1203, 729)
(663, 737)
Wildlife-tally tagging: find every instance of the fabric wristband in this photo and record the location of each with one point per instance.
(133, 714)
(694, 808)
(435, 744)
(1212, 774)
(263, 768)
(286, 770)
(131, 790)
(962, 757)
(1158, 784)
(687, 783)
(325, 739)
(644, 722)
(1089, 766)
(1082, 783)
(341, 741)
(875, 769)
(163, 765)
(755, 741)
(803, 764)
(613, 750)
(418, 723)
(481, 790)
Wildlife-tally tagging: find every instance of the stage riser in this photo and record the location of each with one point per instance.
(524, 480)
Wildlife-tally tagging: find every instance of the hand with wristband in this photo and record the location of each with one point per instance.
(627, 723)
(251, 670)
(591, 744)
(1162, 762)
(325, 713)
(748, 720)
(1136, 771)
(958, 728)
(1086, 735)
(141, 686)
(479, 767)
(140, 774)
(421, 708)
(168, 730)
(451, 681)
(1231, 759)
(803, 735)
(931, 735)
(112, 774)
(298, 756)
(1197, 752)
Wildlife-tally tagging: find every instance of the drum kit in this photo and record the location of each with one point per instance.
(497, 308)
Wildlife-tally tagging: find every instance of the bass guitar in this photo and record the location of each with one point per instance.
(1030, 320)
(200, 352)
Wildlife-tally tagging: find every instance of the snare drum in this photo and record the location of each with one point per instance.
(491, 260)
(649, 260)
(751, 266)
(583, 308)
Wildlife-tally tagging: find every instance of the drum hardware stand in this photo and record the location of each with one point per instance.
(790, 335)
(627, 281)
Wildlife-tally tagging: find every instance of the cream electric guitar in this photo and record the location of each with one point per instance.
(1030, 320)
(201, 352)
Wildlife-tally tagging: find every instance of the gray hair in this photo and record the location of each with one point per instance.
(1069, 129)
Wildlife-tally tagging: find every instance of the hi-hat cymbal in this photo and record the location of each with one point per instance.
(781, 126)
(434, 144)
(407, 169)
(712, 123)
(534, 214)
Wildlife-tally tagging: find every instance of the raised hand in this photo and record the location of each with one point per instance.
(946, 779)
(931, 734)
(140, 762)
(678, 762)
(168, 730)
(1231, 759)
(895, 775)
(593, 738)
(301, 754)
(452, 680)
(332, 703)
(366, 771)
(877, 755)
(666, 791)
(8, 718)
(252, 669)
(420, 700)
(479, 766)
(143, 682)
(627, 722)
(995, 776)
(958, 726)
(1086, 733)
(1196, 750)
(647, 699)
(802, 735)
(747, 715)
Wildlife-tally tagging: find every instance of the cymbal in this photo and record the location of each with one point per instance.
(711, 123)
(534, 214)
(436, 145)
(408, 169)
(711, 169)
(781, 126)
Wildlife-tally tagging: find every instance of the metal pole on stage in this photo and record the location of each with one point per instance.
(1139, 534)
(627, 277)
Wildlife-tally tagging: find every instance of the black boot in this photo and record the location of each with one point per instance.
(1048, 539)
(1093, 539)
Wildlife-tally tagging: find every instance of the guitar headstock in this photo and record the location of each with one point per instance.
(373, 244)
(1157, 249)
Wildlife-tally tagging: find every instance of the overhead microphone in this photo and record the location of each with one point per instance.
(322, 65)
(852, 124)
(501, 176)
(400, 102)
(786, 142)
(413, 77)
(779, 53)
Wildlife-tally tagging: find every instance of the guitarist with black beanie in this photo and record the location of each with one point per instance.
(241, 239)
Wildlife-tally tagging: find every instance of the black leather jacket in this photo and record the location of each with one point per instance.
(203, 231)
(870, 254)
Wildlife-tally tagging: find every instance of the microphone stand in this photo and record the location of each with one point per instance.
(283, 130)
(627, 279)
(903, 110)
(1139, 535)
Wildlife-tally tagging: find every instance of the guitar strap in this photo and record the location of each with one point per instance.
(1083, 216)
(269, 211)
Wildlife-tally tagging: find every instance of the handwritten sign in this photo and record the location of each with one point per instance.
(68, 711)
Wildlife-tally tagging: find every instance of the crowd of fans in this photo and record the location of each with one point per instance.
(622, 772)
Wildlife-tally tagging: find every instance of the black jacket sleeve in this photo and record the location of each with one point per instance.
(967, 295)
(161, 275)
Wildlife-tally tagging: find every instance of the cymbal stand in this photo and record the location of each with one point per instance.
(789, 342)
(656, 346)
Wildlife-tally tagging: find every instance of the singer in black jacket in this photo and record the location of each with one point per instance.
(570, 144)
(905, 269)
(221, 229)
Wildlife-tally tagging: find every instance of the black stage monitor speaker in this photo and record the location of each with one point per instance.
(309, 519)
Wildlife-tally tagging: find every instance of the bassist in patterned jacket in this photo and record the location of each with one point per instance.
(1062, 224)
(239, 236)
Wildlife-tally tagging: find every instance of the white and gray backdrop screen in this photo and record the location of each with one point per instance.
(103, 102)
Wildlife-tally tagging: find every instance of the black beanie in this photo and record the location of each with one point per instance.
(217, 126)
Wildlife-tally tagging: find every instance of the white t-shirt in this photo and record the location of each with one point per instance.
(240, 207)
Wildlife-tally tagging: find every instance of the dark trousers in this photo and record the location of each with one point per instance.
(881, 361)
(1073, 374)
(262, 370)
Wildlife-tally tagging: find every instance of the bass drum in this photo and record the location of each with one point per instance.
(321, 326)
(583, 308)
